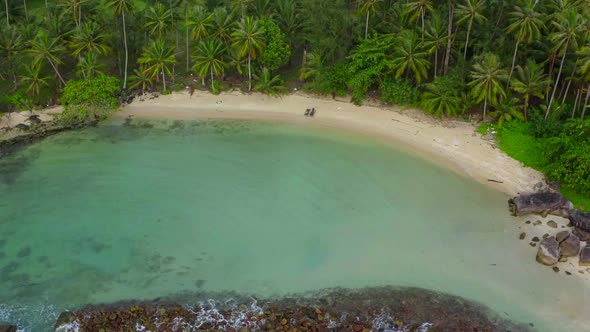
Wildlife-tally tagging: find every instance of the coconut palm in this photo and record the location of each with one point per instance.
(410, 56)
(158, 19)
(313, 66)
(88, 38)
(367, 7)
(529, 81)
(288, 17)
(140, 79)
(158, 58)
(584, 69)
(73, 7)
(11, 44)
(272, 85)
(34, 79)
(470, 11)
(418, 8)
(241, 6)
(486, 80)
(209, 59)
(436, 38)
(506, 110)
(526, 23)
(43, 48)
(440, 100)
(223, 24)
(248, 39)
(88, 66)
(121, 7)
(568, 27)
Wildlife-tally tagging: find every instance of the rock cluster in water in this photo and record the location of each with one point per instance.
(371, 309)
(564, 244)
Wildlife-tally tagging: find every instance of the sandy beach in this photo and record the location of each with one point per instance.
(452, 143)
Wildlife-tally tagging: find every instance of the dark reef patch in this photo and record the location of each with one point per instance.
(14, 165)
(24, 252)
(377, 309)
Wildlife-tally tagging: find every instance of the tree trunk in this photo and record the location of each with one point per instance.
(513, 63)
(526, 107)
(556, 82)
(56, 71)
(435, 61)
(485, 107)
(187, 45)
(576, 103)
(467, 39)
(164, 78)
(367, 24)
(126, 50)
(586, 102)
(449, 40)
(211, 67)
(26, 11)
(7, 19)
(422, 10)
(249, 73)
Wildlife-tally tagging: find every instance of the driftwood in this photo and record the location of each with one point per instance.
(541, 203)
(580, 220)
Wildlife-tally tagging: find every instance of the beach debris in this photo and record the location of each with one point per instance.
(552, 224)
(585, 257)
(307, 111)
(555, 269)
(496, 181)
(548, 253)
(570, 246)
(312, 113)
(540, 203)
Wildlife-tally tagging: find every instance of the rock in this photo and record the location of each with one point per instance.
(66, 317)
(568, 273)
(585, 257)
(582, 234)
(555, 269)
(522, 235)
(552, 224)
(535, 239)
(545, 236)
(542, 203)
(580, 220)
(8, 328)
(570, 246)
(527, 222)
(532, 244)
(562, 236)
(548, 253)
(562, 259)
(537, 223)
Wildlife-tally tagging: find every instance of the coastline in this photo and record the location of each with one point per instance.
(450, 143)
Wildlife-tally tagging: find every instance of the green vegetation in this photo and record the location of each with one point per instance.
(90, 98)
(502, 61)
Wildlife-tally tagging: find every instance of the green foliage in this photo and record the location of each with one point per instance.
(216, 87)
(399, 91)
(90, 98)
(277, 51)
(515, 139)
(445, 95)
(272, 85)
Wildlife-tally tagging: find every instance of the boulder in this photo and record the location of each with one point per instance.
(8, 328)
(580, 220)
(552, 224)
(582, 234)
(585, 256)
(541, 203)
(562, 236)
(66, 317)
(548, 253)
(570, 246)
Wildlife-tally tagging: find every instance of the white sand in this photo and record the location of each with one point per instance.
(453, 143)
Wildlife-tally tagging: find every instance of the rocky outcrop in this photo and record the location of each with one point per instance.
(580, 220)
(570, 246)
(581, 234)
(540, 203)
(585, 256)
(548, 253)
(8, 328)
(64, 318)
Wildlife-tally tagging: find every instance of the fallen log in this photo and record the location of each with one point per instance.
(540, 203)
(580, 220)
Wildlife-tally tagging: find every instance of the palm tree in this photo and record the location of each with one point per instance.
(418, 8)
(223, 23)
(209, 59)
(530, 80)
(121, 7)
(469, 12)
(248, 40)
(568, 27)
(367, 7)
(158, 58)
(11, 44)
(75, 7)
(409, 55)
(272, 85)
(526, 23)
(141, 79)
(313, 66)
(440, 100)
(158, 19)
(7, 13)
(44, 48)
(288, 17)
(242, 6)
(584, 69)
(198, 25)
(436, 38)
(88, 66)
(487, 77)
(88, 38)
(506, 110)
(34, 79)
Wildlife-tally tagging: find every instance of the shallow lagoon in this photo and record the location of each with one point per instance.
(158, 208)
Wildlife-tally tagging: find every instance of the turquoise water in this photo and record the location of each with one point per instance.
(165, 207)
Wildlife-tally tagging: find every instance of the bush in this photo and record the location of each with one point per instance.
(399, 91)
(90, 98)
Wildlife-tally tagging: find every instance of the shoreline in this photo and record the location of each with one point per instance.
(449, 143)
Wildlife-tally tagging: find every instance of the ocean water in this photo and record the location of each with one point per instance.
(157, 208)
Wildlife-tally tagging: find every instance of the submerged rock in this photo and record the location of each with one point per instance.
(548, 253)
(570, 246)
(8, 328)
(585, 256)
(64, 318)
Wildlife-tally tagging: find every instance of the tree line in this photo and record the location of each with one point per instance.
(498, 59)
